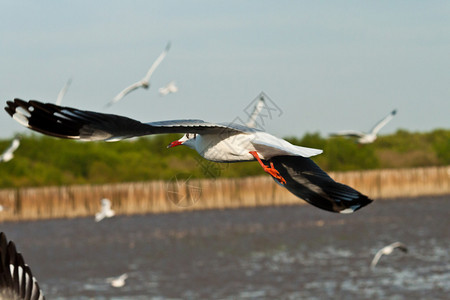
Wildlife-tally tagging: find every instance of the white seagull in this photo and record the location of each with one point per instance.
(367, 138)
(288, 164)
(8, 154)
(63, 91)
(16, 279)
(105, 211)
(256, 111)
(386, 251)
(168, 88)
(144, 82)
(118, 281)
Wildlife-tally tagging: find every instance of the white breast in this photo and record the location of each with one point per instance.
(226, 147)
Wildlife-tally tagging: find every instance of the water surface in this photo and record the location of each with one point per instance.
(292, 252)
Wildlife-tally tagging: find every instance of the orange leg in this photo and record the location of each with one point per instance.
(271, 170)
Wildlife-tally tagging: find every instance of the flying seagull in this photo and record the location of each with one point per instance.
(386, 251)
(256, 111)
(144, 82)
(168, 88)
(16, 279)
(8, 154)
(105, 211)
(367, 138)
(117, 281)
(63, 91)
(288, 164)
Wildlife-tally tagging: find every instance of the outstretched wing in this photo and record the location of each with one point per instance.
(106, 204)
(349, 133)
(125, 91)
(72, 123)
(63, 91)
(402, 247)
(376, 258)
(13, 147)
(306, 180)
(256, 111)
(383, 122)
(16, 279)
(156, 63)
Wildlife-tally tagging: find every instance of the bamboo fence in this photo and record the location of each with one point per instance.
(180, 195)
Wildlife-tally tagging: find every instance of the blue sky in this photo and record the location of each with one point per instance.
(327, 65)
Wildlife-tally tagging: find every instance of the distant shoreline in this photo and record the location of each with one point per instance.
(199, 194)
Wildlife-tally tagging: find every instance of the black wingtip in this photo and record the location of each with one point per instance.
(308, 181)
(357, 203)
(16, 279)
(10, 107)
(45, 118)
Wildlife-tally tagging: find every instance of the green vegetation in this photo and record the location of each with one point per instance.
(42, 160)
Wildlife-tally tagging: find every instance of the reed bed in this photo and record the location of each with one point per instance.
(180, 195)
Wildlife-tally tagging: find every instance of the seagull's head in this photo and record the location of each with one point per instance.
(188, 139)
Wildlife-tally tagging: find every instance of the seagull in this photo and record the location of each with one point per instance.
(117, 282)
(8, 154)
(288, 164)
(63, 91)
(16, 279)
(367, 138)
(386, 251)
(256, 111)
(167, 89)
(144, 82)
(105, 211)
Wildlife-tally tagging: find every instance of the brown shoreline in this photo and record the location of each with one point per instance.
(178, 196)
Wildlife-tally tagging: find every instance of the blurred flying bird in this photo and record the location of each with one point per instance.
(16, 279)
(288, 164)
(386, 251)
(8, 154)
(367, 138)
(167, 89)
(144, 82)
(117, 281)
(63, 91)
(105, 211)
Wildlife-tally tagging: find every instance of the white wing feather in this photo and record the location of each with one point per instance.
(351, 133)
(383, 122)
(125, 91)
(62, 92)
(156, 63)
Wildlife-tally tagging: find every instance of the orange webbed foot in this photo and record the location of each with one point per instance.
(271, 170)
(274, 173)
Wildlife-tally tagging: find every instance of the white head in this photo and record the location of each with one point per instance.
(189, 139)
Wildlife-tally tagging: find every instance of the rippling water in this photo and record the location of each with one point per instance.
(295, 252)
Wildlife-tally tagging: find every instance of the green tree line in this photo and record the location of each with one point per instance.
(42, 160)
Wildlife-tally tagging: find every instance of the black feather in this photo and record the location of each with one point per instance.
(308, 181)
(16, 279)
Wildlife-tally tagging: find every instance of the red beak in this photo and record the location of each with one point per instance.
(174, 143)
